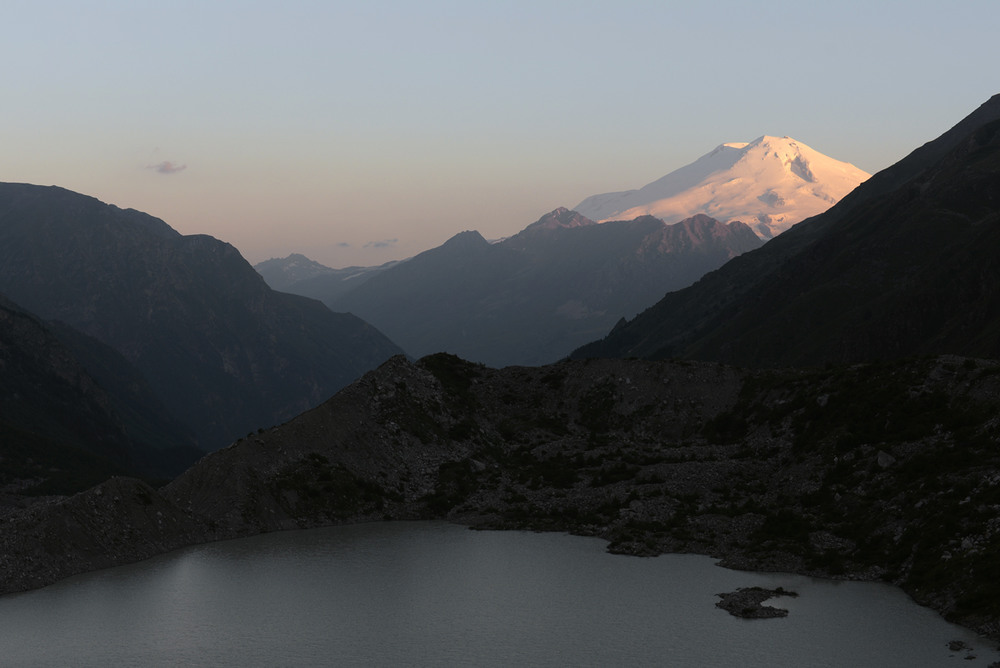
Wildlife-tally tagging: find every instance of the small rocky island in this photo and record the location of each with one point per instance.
(746, 602)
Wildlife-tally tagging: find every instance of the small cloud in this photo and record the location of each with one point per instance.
(385, 243)
(167, 167)
(343, 244)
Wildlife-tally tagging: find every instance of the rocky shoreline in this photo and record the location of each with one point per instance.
(877, 472)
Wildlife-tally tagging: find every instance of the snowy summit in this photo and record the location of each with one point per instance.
(770, 184)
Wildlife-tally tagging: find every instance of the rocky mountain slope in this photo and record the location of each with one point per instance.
(770, 184)
(222, 351)
(902, 266)
(533, 297)
(879, 471)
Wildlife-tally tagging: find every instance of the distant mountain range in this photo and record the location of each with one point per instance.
(565, 280)
(904, 265)
(770, 184)
(299, 275)
(533, 297)
(281, 273)
(223, 352)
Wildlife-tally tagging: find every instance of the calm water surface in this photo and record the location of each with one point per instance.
(435, 594)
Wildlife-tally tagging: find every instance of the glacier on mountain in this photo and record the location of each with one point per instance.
(770, 184)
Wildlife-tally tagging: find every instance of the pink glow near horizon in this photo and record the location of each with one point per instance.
(358, 132)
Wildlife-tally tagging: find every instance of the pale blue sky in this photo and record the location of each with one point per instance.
(358, 132)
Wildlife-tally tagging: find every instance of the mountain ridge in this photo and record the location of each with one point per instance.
(532, 297)
(279, 273)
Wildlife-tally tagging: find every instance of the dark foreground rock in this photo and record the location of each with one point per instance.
(885, 472)
(746, 602)
(120, 521)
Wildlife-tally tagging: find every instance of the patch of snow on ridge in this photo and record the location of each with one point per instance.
(770, 184)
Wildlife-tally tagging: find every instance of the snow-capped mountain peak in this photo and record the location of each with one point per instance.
(770, 184)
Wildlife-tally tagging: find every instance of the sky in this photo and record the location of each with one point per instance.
(362, 132)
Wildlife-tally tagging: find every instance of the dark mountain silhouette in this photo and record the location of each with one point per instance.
(904, 265)
(224, 353)
(533, 297)
(61, 431)
(165, 446)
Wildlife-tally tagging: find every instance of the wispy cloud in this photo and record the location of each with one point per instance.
(385, 243)
(343, 244)
(167, 167)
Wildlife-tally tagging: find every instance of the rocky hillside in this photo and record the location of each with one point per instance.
(223, 352)
(879, 471)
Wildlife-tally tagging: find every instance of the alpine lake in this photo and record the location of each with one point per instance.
(439, 594)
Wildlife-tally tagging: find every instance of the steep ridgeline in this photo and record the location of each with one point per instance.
(770, 184)
(905, 265)
(883, 472)
(222, 351)
(533, 297)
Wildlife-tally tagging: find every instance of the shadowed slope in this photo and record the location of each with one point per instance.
(901, 266)
(224, 352)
